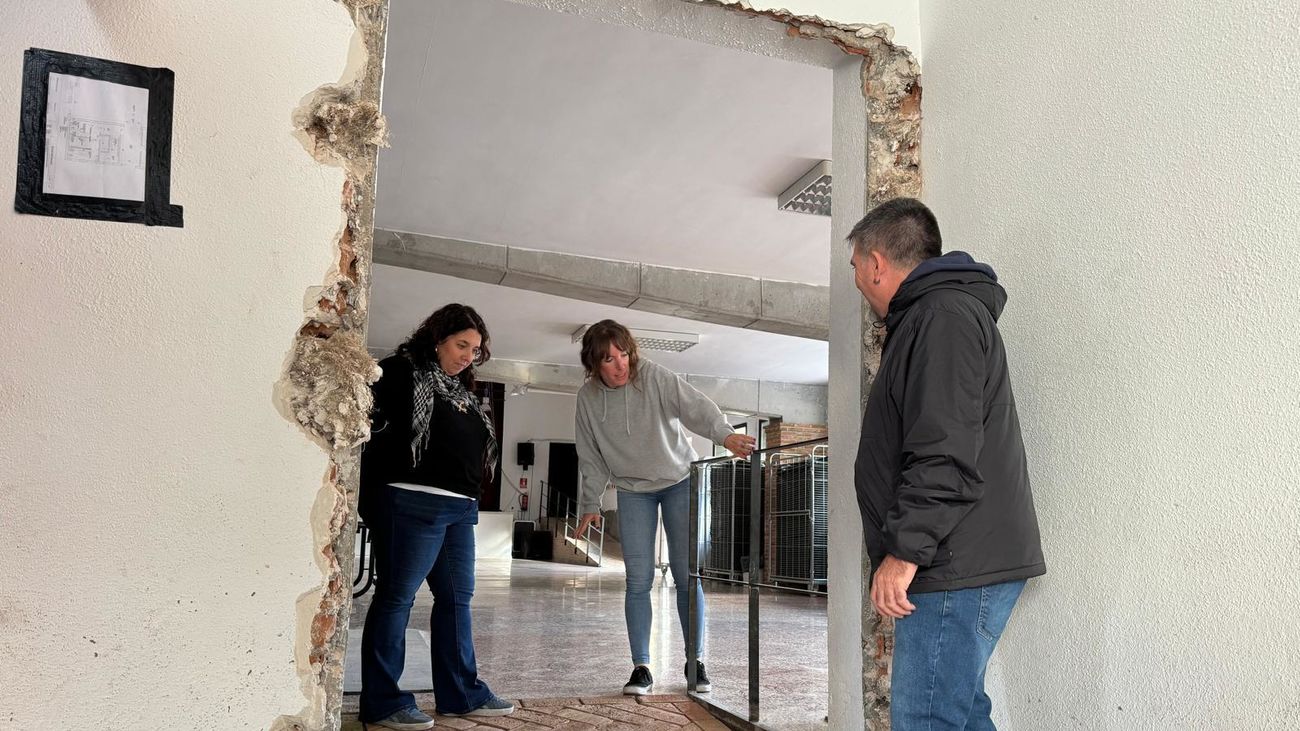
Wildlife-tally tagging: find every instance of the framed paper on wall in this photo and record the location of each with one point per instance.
(95, 140)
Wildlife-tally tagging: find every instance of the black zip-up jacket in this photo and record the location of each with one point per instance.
(941, 475)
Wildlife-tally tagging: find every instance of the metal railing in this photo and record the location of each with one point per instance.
(365, 563)
(753, 576)
(544, 505)
(569, 508)
(567, 521)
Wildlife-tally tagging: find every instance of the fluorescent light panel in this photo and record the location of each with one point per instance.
(661, 340)
(810, 194)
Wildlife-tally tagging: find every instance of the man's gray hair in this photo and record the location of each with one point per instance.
(902, 229)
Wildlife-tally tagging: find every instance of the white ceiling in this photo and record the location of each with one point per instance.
(514, 125)
(538, 327)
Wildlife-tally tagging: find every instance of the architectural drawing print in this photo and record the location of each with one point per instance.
(95, 133)
(103, 143)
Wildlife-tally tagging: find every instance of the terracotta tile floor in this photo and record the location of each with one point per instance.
(612, 713)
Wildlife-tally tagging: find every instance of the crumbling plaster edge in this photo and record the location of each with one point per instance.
(853, 38)
(324, 386)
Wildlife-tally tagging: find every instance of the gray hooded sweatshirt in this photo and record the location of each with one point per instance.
(632, 436)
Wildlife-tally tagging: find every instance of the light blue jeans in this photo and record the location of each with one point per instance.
(638, 523)
(940, 653)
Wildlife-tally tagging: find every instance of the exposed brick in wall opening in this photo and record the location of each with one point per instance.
(890, 82)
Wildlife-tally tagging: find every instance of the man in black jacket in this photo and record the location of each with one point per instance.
(941, 475)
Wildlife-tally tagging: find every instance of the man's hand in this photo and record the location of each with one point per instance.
(588, 520)
(889, 587)
(740, 445)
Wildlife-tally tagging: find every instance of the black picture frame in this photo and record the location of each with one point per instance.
(29, 196)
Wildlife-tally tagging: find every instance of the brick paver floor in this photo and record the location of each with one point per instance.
(612, 713)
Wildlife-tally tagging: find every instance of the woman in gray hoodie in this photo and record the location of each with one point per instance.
(632, 418)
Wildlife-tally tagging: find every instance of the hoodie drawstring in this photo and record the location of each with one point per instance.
(604, 413)
(605, 409)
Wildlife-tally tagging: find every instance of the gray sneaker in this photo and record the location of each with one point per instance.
(493, 706)
(407, 719)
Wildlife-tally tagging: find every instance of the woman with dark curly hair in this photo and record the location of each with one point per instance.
(431, 446)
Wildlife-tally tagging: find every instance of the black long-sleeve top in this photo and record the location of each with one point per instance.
(454, 457)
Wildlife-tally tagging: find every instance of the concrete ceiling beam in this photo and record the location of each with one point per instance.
(788, 308)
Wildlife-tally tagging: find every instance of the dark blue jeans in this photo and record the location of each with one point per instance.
(940, 653)
(418, 537)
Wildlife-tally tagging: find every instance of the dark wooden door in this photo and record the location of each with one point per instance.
(495, 393)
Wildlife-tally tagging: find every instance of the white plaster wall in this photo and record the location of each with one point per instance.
(1133, 171)
(153, 503)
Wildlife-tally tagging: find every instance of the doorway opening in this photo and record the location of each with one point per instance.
(562, 476)
(711, 25)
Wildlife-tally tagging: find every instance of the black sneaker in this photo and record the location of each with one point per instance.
(641, 682)
(702, 684)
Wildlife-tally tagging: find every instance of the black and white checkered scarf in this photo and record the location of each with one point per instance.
(434, 383)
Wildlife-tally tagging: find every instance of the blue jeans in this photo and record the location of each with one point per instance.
(638, 523)
(419, 538)
(940, 653)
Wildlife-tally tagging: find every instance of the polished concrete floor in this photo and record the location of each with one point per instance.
(546, 630)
